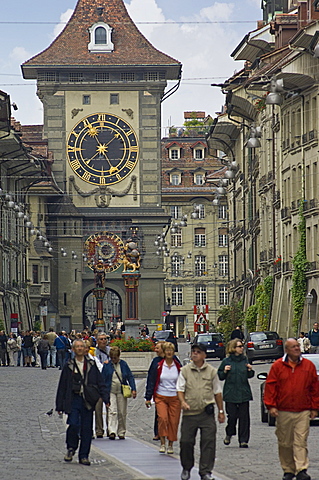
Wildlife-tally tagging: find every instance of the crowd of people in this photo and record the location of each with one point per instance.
(94, 375)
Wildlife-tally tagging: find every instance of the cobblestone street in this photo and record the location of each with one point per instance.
(32, 444)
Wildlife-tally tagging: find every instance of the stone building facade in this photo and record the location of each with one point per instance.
(101, 83)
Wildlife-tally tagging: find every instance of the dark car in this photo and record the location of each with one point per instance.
(263, 346)
(213, 342)
(265, 416)
(165, 336)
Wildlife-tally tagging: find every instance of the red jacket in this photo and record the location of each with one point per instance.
(292, 389)
(159, 371)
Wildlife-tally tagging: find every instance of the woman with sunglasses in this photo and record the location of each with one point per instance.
(236, 371)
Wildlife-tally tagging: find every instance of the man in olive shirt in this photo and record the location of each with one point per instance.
(198, 389)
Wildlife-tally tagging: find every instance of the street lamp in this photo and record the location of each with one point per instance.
(309, 299)
(168, 309)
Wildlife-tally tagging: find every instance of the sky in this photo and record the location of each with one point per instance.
(201, 34)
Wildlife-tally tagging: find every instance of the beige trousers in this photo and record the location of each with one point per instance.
(99, 427)
(117, 414)
(292, 430)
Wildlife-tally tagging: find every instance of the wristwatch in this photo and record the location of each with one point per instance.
(221, 411)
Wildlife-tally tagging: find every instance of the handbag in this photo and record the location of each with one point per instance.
(126, 389)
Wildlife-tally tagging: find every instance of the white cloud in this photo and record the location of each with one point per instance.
(64, 17)
(203, 49)
(19, 54)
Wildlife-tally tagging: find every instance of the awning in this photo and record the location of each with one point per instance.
(222, 136)
(295, 81)
(254, 44)
(240, 107)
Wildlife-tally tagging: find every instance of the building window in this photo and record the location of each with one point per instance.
(114, 99)
(223, 295)
(100, 36)
(222, 237)
(199, 210)
(64, 299)
(200, 237)
(176, 238)
(35, 274)
(176, 212)
(199, 179)
(86, 100)
(198, 153)
(177, 295)
(200, 295)
(223, 265)
(48, 77)
(200, 265)
(175, 179)
(76, 77)
(46, 273)
(64, 228)
(174, 153)
(127, 76)
(176, 265)
(222, 212)
(102, 77)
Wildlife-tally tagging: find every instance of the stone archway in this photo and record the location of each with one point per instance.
(112, 308)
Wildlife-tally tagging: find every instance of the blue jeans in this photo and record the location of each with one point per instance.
(52, 356)
(44, 358)
(80, 421)
(61, 353)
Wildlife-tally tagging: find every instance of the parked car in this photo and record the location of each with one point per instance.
(265, 416)
(214, 344)
(263, 346)
(165, 336)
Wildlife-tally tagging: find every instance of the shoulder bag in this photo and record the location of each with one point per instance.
(126, 389)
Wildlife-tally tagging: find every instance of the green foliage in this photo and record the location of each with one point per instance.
(1, 325)
(251, 316)
(231, 316)
(37, 326)
(133, 345)
(299, 281)
(263, 300)
(195, 127)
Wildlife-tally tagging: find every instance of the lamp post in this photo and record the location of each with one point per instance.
(309, 299)
(168, 309)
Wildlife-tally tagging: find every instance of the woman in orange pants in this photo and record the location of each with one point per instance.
(167, 403)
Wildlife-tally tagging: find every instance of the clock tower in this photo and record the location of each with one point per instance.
(101, 83)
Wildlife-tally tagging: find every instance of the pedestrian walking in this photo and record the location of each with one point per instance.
(150, 383)
(62, 345)
(27, 346)
(237, 333)
(313, 336)
(235, 370)
(13, 349)
(198, 389)
(102, 355)
(167, 403)
(117, 373)
(3, 348)
(80, 386)
(292, 396)
(43, 349)
(51, 362)
(304, 343)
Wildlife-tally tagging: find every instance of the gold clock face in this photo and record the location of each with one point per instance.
(102, 149)
(104, 247)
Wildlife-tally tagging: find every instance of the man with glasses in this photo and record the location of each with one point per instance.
(102, 352)
(198, 389)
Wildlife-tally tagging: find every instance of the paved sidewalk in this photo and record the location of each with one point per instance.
(145, 459)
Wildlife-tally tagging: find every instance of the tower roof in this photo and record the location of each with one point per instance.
(70, 48)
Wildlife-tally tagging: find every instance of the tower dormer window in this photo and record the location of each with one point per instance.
(100, 38)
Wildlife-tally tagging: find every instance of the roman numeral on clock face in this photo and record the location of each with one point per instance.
(86, 176)
(75, 164)
(130, 164)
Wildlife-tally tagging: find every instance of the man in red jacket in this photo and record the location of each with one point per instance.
(292, 396)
